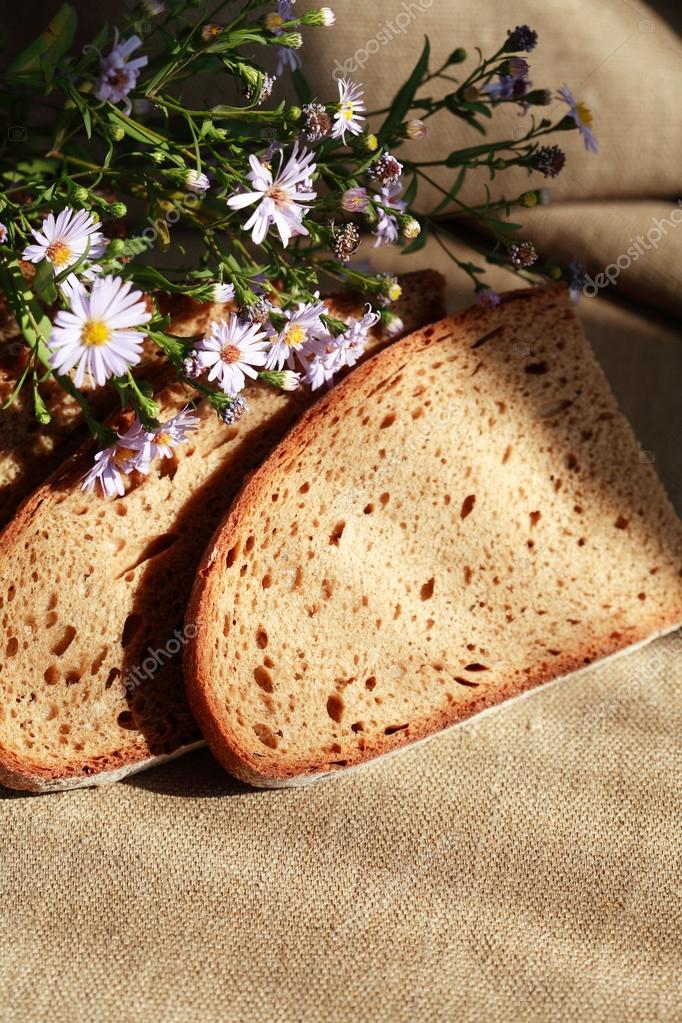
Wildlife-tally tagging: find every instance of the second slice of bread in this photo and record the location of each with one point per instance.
(466, 517)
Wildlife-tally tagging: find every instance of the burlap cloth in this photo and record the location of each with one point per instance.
(523, 867)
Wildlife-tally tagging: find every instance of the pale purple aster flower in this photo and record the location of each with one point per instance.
(337, 353)
(355, 200)
(281, 197)
(230, 351)
(223, 292)
(96, 334)
(350, 110)
(119, 74)
(64, 239)
(507, 88)
(197, 182)
(387, 230)
(294, 340)
(488, 298)
(174, 431)
(113, 463)
(582, 117)
(191, 365)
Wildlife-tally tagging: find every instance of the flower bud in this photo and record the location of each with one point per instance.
(273, 21)
(116, 133)
(118, 210)
(415, 129)
(116, 247)
(292, 40)
(538, 97)
(457, 56)
(371, 143)
(196, 182)
(471, 94)
(283, 378)
(409, 227)
(80, 194)
(324, 16)
(157, 156)
(294, 114)
(391, 323)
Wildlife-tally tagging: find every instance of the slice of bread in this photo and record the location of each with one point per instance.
(466, 517)
(93, 591)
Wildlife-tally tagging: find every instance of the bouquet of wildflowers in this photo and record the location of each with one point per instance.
(107, 159)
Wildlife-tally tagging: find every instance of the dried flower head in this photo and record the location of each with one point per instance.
(523, 254)
(317, 123)
(386, 170)
(549, 160)
(346, 242)
(233, 412)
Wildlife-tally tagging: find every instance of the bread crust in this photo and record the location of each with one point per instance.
(267, 769)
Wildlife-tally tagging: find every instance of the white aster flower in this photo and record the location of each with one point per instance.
(340, 352)
(304, 327)
(3, 234)
(387, 230)
(349, 114)
(223, 292)
(281, 198)
(63, 240)
(171, 433)
(230, 351)
(96, 334)
(119, 74)
(131, 451)
(197, 182)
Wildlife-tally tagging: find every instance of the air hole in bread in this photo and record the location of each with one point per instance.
(12, 646)
(248, 546)
(51, 675)
(261, 638)
(534, 518)
(475, 667)
(64, 642)
(266, 581)
(337, 533)
(392, 729)
(99, 660)
(125, 720)
(266, 735)
(111, 677)
(263, 678)
(536, 368)
(387, 421)
(130, 627)
(231, 555)
(368, 509)
(468, 505)
(370, 682)
(426, 591)
(553, 408)
(466, 682)
(357, 726)
(335, 707)
(621, 522)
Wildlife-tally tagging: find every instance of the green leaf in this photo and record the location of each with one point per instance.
(403, 98)
(303, 90)
(43, 282)
(452, 194)
(45, 52)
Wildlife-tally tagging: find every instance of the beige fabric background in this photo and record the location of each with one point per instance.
(525, 866)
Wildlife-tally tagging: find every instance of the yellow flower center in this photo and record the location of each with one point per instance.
(59, 253)
(394, 292)
(121, 456)
(279, 194)
(273, 21)
(584, 114)
(372, 143)
(164, 439)
(230, 353)
(347, 111)
(295, 335)
(95, 333)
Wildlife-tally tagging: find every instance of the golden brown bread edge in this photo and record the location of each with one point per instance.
(423, 299)
(239, 760)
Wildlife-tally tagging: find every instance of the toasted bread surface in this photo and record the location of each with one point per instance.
(468, 516)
